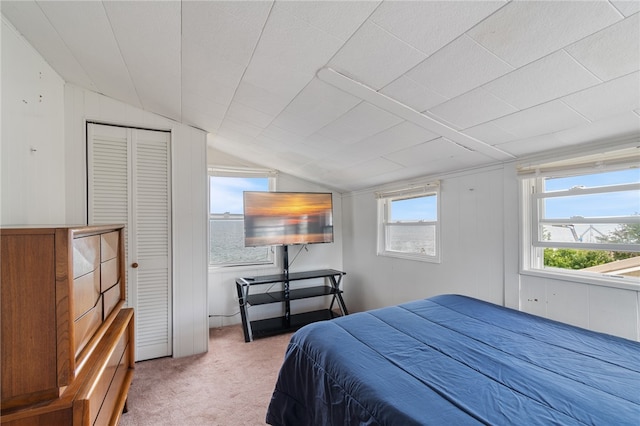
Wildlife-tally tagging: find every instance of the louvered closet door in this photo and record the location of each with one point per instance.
(129, 183)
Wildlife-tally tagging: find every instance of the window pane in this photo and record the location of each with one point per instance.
(609, 204)
(592, 233)
(606, 217)
(592, 180)
(601, 261)
(418, 239)
(226, 222)
(414, 209)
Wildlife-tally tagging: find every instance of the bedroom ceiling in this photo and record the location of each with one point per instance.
(353, 94)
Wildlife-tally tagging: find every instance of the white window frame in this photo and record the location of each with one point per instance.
(532, 197)
(384, 210)
(241, 172)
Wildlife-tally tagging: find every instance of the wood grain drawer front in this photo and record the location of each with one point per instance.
(109, 274)
(86, 255)
(109, 381)
(27, 274)
(63, 416)
(109, 245)
(110, 299)
(86, 293)
(86, 326)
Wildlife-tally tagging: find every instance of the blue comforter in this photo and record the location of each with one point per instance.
(454, 360)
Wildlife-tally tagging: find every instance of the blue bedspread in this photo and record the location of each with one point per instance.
(454, 360)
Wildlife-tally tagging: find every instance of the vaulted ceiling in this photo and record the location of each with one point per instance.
(352, 94)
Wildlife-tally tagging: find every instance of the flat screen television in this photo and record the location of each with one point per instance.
(287, 218)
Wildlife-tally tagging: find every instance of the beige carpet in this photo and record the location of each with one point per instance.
(229, 385)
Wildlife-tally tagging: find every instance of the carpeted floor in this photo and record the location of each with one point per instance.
(228, 386)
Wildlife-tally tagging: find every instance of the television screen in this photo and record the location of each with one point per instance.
(286, 218)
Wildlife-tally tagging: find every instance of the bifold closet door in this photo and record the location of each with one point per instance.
(129, 182)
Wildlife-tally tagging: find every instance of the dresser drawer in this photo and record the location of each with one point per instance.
(109, 245)
(86, 255)
(109, 273)
(110, 299)
(108, 384)
(86, 326)
(86, 292)
(107, 410)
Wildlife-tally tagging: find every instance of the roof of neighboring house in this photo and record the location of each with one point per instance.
(628, 267)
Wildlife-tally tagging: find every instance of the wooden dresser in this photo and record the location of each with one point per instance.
(67, 349)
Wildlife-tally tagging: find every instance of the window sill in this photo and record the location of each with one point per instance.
(624, 283)
(410, 256)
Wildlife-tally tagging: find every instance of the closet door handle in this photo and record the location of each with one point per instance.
(134, 265)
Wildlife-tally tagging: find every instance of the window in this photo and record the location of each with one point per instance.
(408, 224)
(584, 221)
(226, 220)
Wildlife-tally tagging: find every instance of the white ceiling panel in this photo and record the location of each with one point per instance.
(355, 93)
(490, 133)
(340, 19)
(368, 168)
(217, 82)
(293, 44)
(607, 99)
(278, 79)
(546, 79)
(150, 37)
(274, 133)
(394, 139)
(430, 25)
(328, 145)
(317, 105)
(532, 145)
(44, 37)
(318, 93)
(412, 94)
(221, 29)
(459, 67)
(85, 29)
(376, 67)
(232, 125)
(525, 31)
(539, 120)
(617, 126)
(358, 123)
(267, 101)
(200, 117)
(241, 112)
(612, 52)
(627, 7)
(472, 108)
(428, 152)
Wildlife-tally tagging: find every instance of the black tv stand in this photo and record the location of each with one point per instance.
(287, 322)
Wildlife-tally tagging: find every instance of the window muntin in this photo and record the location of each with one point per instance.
(226, 221)
(408, 225)
(583, 221)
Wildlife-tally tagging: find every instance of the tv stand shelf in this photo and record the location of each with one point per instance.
(287, 322)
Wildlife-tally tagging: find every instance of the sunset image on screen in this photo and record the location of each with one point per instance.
(283, 218)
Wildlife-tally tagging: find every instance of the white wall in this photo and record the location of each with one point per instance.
(48, 186)
(33, 144)
(223, 299)
(472, 247)
(480, 258)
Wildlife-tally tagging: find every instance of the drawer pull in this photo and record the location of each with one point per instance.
(134, 265)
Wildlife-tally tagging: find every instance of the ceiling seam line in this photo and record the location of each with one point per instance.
(315, 74)
(244, 71)
(53, 27)
(124, 61)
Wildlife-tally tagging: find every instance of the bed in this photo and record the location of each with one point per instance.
(454, 360)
